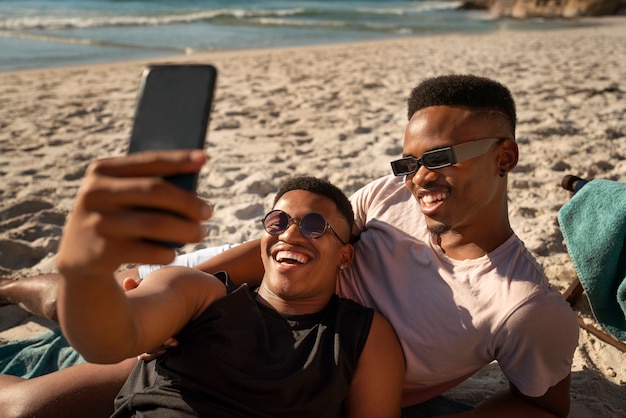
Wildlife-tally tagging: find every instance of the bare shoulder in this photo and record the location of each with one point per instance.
(382, 360)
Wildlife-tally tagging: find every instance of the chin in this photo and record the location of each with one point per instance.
(438, 228)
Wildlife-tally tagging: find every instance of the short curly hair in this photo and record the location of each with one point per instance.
(474, 92)
(321, 187)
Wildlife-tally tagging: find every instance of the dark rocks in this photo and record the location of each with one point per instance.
(523, 9)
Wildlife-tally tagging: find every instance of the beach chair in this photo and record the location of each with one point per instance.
(593, 223)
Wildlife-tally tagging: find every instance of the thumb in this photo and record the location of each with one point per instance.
(130, 283)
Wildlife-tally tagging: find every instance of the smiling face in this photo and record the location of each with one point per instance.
(300, 272)
(466, 198)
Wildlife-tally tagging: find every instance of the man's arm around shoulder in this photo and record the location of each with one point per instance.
(242, 263)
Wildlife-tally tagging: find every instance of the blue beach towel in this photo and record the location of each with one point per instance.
(593, 223)
(39, 355)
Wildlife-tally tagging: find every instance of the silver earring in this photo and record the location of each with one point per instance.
(341, 266)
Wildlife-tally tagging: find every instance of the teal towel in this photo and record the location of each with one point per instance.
(39, 355)
(593, 223)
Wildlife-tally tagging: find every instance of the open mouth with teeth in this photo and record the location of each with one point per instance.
(290, 257)
(431, 199)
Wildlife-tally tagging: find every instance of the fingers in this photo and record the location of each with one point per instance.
(124, 205)
(141, 224)
(135, 181)
(126, 198)
(153, 163)
(142, 196)
(159, 351)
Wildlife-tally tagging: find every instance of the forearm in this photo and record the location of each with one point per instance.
(505, 404)
(242, 263)
(86, 390)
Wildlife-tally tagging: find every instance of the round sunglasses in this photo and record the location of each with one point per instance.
(312, 225)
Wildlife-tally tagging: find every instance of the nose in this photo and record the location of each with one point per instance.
(291, 230)
(423, 176)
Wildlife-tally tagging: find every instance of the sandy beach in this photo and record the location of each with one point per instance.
(337, 112)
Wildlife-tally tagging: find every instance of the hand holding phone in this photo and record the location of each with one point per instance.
(172, 112)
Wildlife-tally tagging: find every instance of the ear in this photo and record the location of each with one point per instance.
(508, 156)
(346, 256)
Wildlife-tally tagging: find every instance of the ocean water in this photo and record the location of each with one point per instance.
(40, 33)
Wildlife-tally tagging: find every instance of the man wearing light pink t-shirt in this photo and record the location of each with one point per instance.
(456, 316)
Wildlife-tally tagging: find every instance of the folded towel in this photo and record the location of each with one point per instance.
(39, 355)
(593, 223)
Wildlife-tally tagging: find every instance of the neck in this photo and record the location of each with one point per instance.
(464, 245)
(294, 304)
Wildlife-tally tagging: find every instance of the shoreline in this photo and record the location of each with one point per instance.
(336, 111)
(585, 22)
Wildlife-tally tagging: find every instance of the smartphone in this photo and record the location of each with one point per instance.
(172, 112)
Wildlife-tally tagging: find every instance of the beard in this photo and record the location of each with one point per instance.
(438, 229)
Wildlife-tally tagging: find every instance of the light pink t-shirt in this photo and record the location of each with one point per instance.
(454, 317)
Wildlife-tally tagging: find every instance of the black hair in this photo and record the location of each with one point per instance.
(474, 92)
(321, 187)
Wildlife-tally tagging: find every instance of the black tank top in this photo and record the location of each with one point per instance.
(241, 358)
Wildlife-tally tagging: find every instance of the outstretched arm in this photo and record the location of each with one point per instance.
(38, 294)
(122, 208)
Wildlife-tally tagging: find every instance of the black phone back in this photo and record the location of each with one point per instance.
(172, 111)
